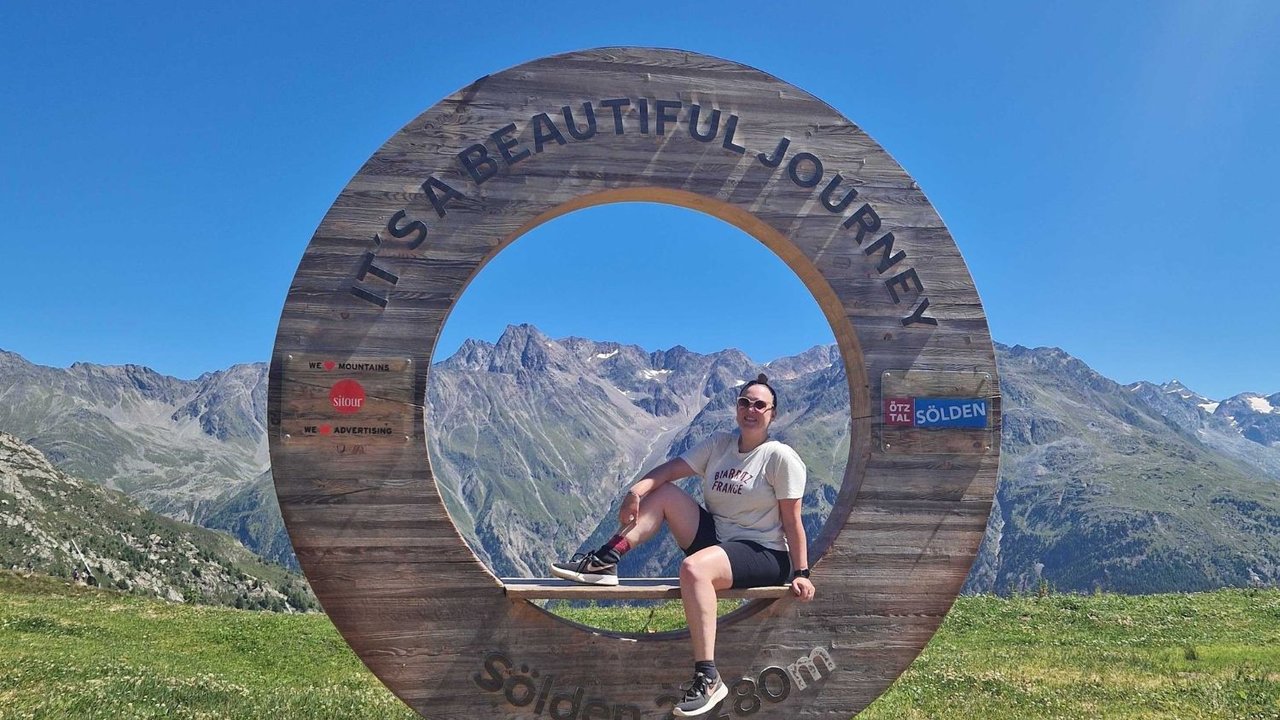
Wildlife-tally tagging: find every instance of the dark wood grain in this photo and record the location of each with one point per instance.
(367, 519)
(626, 589)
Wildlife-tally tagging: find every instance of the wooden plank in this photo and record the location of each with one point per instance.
(626, 589)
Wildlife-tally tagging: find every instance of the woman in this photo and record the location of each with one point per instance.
(749, 534)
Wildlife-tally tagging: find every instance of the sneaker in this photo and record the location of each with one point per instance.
(701, 695)
(587, 569)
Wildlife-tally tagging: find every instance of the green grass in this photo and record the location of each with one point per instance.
(71, 652)
(1203, 655)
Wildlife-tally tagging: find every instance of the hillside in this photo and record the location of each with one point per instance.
(53, 523)
(173, 445)
(1102, 487)
(75, 652)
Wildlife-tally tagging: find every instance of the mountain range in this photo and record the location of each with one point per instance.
(1137, 488)
(58, 525)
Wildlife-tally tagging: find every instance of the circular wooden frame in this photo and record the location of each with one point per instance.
(514, 150)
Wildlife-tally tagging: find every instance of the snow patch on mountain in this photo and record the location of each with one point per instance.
(1260, 404)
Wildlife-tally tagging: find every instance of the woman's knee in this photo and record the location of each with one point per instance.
(667, 494)
(680, 510)
(709, 565)
(690, 571)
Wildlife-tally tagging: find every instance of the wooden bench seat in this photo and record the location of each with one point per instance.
(626, 589)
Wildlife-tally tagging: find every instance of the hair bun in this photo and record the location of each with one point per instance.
(762, 378)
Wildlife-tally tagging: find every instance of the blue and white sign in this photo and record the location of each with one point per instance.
(950, 413)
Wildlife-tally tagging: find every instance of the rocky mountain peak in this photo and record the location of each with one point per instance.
(524, 347)
(673, 358)
(1175, 387)
(229, 403)
(12, 359)
(1171, 390)
(1255, 416)
(114, 384)
(1063, 367)
(472, 355)
(811, 360)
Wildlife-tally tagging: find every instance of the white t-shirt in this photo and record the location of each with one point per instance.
(742, 490)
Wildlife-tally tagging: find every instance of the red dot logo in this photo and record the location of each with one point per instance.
(346, 396)
(329, 364)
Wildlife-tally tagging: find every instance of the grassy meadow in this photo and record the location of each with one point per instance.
(75, 652)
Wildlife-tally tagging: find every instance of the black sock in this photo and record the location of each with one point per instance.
(706, 667)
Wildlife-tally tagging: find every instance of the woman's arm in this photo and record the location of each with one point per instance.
(673, 469)
(797, 545)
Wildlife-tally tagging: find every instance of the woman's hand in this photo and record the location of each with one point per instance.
(630, 509)
(803, 589)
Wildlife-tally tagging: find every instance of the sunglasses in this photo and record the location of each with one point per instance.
(759, 405)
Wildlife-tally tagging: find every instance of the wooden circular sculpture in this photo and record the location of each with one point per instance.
(512, 151)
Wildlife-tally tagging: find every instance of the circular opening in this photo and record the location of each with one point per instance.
(596, 346)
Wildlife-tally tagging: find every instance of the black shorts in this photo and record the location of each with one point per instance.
(752, 564)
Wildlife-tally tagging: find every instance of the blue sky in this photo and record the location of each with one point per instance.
(1109, 171)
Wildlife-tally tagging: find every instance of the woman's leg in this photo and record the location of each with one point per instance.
(670, 504)
(701, 575)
